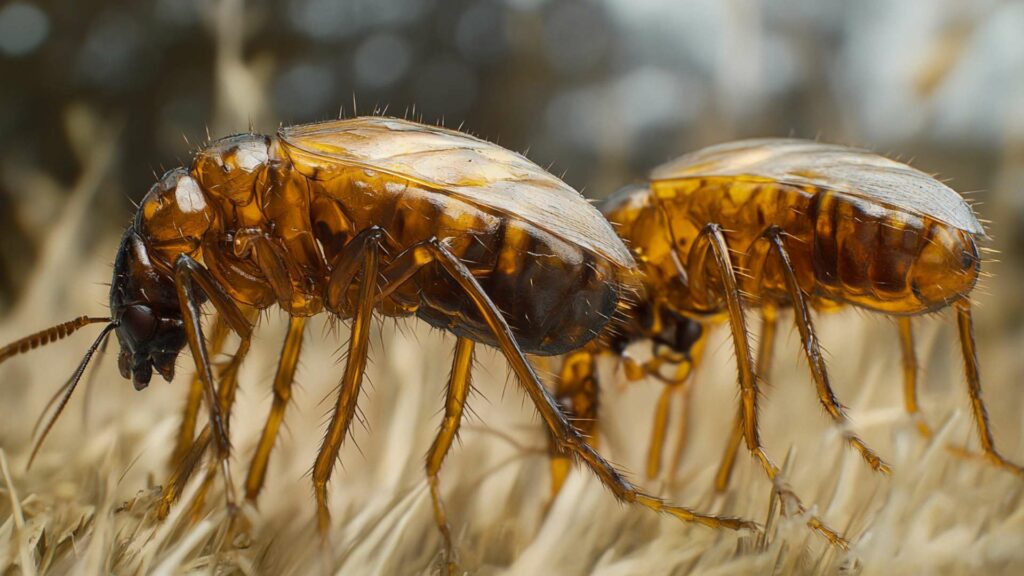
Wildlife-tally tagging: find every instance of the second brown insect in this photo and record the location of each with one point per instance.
(773, 224)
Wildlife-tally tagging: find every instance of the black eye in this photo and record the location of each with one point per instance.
(140, 322)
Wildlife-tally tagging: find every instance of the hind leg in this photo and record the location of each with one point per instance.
(568, 438)
(812, 351)
(966, 330)
(910, 371)
(455, 403)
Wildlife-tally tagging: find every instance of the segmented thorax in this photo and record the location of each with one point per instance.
(859, 228)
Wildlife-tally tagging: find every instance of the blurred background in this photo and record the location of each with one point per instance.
(99, 97)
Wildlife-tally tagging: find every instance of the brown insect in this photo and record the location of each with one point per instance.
(349, 217)
(782, 223)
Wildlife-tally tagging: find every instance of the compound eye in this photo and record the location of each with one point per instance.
(140, 322)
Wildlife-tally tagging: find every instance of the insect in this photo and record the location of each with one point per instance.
(783, 223)
(348, 217)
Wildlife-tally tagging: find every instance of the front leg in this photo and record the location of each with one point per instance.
(194, 400)
(578, 393)
(190, 277)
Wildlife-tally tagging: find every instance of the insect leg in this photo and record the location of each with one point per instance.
(766, 346)
(188, 276)
(711, 239)
(182, 472)
(659, 427)
(458, 391)
(282, 395)
(577, 392)
(185, 464)
(368, 251)
(228, 375)
(696, 353)
(802, 316)
(910, 372)
(190, 416)
(966, 329)
(567, 436)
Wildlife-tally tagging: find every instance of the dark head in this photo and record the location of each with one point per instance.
(143, 309)
(674, 338)
(144, 305)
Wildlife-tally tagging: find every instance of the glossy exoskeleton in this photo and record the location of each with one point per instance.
(783, 223)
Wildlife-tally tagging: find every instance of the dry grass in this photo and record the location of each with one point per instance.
(86, 505)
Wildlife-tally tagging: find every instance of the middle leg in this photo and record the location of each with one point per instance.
(365, 247)
(282, 395)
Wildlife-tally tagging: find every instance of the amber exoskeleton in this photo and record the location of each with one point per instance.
(348, 217)
(784, 223)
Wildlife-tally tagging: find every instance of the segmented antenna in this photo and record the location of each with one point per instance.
(67, 390)
(47, 336)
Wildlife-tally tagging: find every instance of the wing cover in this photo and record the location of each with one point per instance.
(838, 168)
(472, 169)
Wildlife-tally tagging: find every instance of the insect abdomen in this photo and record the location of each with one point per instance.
(554, 295)
(843, 248)
(886, 259)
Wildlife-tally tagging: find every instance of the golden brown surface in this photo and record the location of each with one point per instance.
(477, 171)
(860, 229)
(821, 166)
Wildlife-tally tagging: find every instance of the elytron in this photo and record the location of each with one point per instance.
(348, 217)
(782, 223)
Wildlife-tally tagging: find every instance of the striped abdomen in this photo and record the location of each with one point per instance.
(554, 295)
(843, 248)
